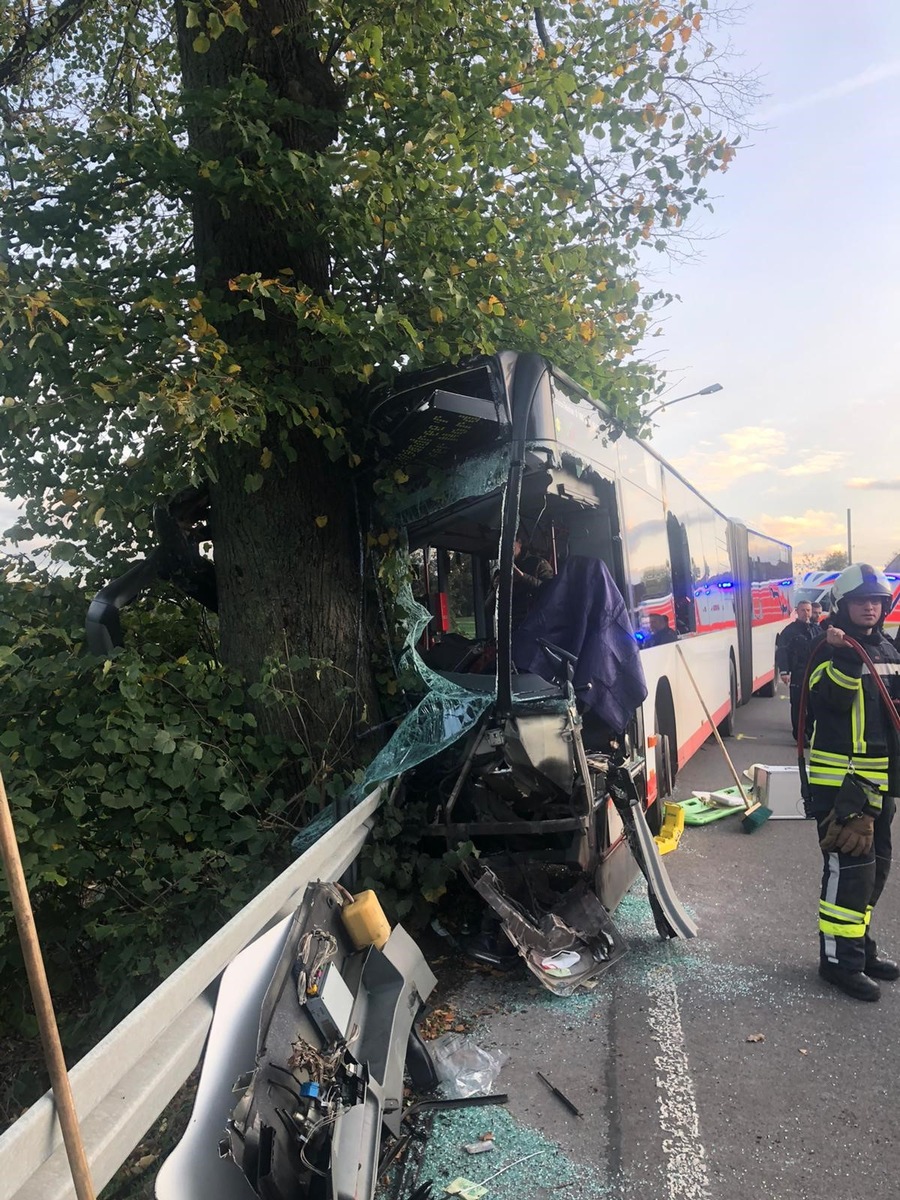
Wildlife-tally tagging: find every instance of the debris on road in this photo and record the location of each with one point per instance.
(561, 1096)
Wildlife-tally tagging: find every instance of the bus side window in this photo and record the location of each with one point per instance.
(682, 576)
(648, 554)
(461, 595)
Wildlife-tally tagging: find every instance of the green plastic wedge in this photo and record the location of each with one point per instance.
(702, 812)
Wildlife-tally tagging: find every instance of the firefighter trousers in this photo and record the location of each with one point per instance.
(850, 890)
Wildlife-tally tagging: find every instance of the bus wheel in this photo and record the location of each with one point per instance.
(767, 691)
(663, 770)
(726, 726)
(666, 754)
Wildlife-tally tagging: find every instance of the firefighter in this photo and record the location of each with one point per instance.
(530, 573)
(854, 776)
(792, 654)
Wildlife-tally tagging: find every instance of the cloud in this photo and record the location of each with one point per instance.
(844, 87)
(814, 523)
(819, 464)
(756, 438)
(10, 511)
(750, 451)
(875, 485)
(753, 450)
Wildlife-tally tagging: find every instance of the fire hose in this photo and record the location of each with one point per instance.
(889, 704)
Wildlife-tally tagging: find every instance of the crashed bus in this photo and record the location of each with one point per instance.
(534, 742)
(548, 734)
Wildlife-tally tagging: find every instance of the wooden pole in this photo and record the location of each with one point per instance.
(43, 1003)
(749, 805)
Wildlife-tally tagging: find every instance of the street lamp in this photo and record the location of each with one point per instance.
(707, 391)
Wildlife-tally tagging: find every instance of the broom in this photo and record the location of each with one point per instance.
(755, 814)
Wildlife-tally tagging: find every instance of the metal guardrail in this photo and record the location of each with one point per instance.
(123, 1085)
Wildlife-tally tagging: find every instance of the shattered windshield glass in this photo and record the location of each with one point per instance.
(449, 710)
(476, 476)
(444, 715)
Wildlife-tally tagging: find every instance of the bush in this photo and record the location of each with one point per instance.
(145, 799)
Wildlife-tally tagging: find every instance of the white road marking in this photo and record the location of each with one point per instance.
(686, 1173)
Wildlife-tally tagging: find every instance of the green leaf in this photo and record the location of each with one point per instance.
(200, 44)
(232, 799)
(232, 17)
(164, 743)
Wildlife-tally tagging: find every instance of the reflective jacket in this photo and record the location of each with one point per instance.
(851, 727)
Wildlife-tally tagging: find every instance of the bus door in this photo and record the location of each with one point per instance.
(738, 549)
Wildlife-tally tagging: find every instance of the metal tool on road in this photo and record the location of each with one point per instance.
(560, 1095)
(755, 814)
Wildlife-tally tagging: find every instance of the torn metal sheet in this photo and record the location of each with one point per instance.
(577, 923)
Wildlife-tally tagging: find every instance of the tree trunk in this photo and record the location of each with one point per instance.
(290, 587)
(287, 585)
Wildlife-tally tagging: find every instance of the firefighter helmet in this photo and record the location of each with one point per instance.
(859, 582)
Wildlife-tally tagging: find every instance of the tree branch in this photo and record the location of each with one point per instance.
(542, 30)
(30, 44)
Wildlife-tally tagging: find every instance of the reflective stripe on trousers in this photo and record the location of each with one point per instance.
(850, 890)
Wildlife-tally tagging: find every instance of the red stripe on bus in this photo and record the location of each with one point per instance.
(696, 740)
(764, 678)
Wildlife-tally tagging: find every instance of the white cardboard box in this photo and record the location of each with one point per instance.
(778, 788)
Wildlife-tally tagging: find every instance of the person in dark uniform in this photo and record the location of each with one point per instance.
(854, 777)
(530, 573)
(661, 632)
(792, 654)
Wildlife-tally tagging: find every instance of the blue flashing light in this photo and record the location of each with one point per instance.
(727, 584)
(892, 578)
(785, 582)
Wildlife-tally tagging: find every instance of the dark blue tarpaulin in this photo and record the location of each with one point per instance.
(582, 611)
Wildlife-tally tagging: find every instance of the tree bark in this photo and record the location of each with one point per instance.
(287, 585)
(290, 587)
(231, 235)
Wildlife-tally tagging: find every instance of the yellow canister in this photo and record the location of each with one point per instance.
(365, 921)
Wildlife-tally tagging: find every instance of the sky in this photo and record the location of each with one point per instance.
(793, 304)
(792, 299)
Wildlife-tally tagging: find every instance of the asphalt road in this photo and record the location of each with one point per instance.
(716, 1069)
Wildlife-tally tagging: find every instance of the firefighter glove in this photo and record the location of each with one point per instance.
(854, 837)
